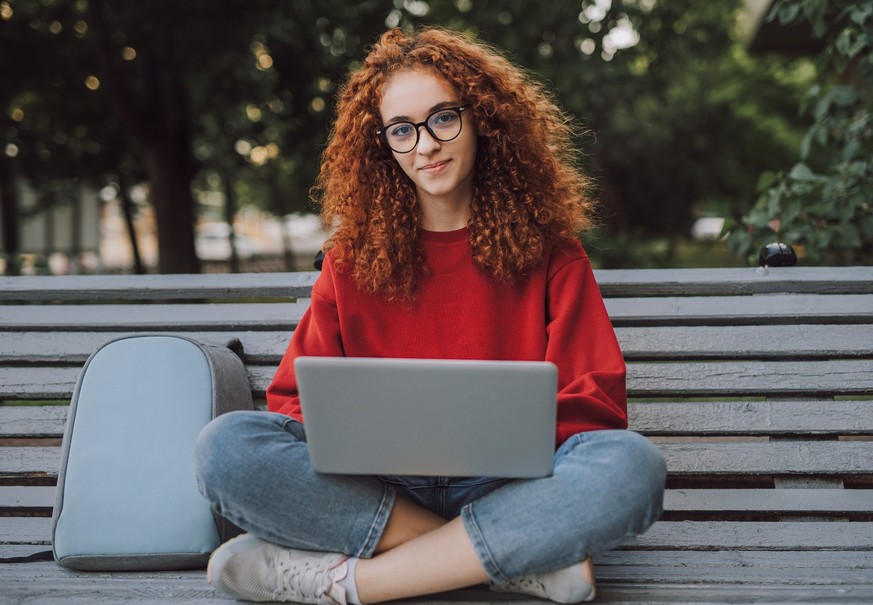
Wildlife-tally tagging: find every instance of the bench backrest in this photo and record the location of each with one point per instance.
(757, 387)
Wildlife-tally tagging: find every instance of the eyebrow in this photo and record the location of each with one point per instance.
(436, 107)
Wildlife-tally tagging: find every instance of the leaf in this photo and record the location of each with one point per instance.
(806, 143)
(802, 172)
(844, 95)
(788, 13)
(766, 180)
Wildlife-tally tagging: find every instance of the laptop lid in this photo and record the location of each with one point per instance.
(429, 417)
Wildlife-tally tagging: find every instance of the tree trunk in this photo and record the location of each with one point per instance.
(174, 208)
(9, 216)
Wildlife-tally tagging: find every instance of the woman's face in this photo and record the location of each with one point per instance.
(442, 171)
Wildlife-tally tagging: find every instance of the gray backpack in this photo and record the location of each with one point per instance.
(127, 497)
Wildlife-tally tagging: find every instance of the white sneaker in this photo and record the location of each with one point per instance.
(252, 569)
(568, 585)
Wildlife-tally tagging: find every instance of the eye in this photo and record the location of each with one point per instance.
(443, 119)
(399, 131)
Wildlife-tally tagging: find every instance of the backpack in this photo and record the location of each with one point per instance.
(127, 497)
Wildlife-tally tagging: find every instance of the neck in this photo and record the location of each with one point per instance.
(444, 214)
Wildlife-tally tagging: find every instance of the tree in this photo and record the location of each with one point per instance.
(824, 203)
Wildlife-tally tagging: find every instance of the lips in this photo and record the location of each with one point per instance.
(434, 167)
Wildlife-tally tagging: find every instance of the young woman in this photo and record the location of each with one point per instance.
(450, 182)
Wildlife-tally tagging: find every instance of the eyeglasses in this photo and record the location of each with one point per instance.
(443, 125)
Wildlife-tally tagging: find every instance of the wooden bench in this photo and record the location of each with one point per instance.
(757, 387)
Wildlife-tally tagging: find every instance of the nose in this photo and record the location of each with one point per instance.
(427, 143)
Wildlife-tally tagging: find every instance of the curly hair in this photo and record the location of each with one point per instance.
(528, 194)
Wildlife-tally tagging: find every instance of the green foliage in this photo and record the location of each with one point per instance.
(824, 203)
(674, 116)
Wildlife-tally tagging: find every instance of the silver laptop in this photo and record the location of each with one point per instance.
(429, 417)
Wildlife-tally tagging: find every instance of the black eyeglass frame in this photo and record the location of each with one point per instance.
(460, 110)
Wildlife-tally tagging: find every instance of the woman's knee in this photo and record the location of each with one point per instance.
(646, 456)
(629, 461)
(227, 446)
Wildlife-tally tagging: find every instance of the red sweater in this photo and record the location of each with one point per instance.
(459, 312)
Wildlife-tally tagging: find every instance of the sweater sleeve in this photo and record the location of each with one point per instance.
(581, 342)
(317, 334)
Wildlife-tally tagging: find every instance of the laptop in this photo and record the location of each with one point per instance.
(453, 418)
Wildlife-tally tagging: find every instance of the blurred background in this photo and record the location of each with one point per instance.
(180, 137)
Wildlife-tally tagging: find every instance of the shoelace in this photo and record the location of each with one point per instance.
(299, 581)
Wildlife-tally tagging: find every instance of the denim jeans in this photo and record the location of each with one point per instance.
(606, 488)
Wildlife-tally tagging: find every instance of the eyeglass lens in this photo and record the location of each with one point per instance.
(443, 125)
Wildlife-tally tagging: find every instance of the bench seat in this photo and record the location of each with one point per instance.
(757, 385)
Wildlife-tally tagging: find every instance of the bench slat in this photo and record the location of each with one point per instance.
(807, 417)
(675, 500)
(726, 585)
(777, 458)
(156, 287)
(33, 421)
(771, 500)
(67, 347)
(726, 282)
(746, 342)
(46, 584)
(154, 318)
(802, 309)
(613, 283)
(789, 559)
(639, 343)
(764, 309)
(664, 535)
(686, 459)
(752, 417)
(713, 379)
(753, 535)
(30, 496)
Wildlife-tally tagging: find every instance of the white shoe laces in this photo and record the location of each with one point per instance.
(304, 579)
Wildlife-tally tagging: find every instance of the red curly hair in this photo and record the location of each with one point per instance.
(528, 195)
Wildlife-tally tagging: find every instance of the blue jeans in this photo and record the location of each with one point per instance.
(607, 487)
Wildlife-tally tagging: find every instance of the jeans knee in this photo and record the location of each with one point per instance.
(221, 449)
(648, 460)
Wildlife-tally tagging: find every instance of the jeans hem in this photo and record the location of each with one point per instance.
(479, 545)
(377, 527)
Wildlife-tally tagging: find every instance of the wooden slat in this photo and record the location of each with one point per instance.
(65, 347)
(156, 287)
(25, 530)
(29, 461)
(664, 535)
(729, 282)
(740, 559)
(264, 316)
(32, 421)
(741, 310)
(729, 535)
(637, 343)
(104, 318)
(613, 283)
(844, 377)
(31, 496)
(780, 457)
(752, 417)
(38, 383)
(675, 500)
(807, 417)
(669, 535)
(770, 500)
(685, 459)
(746, 342)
